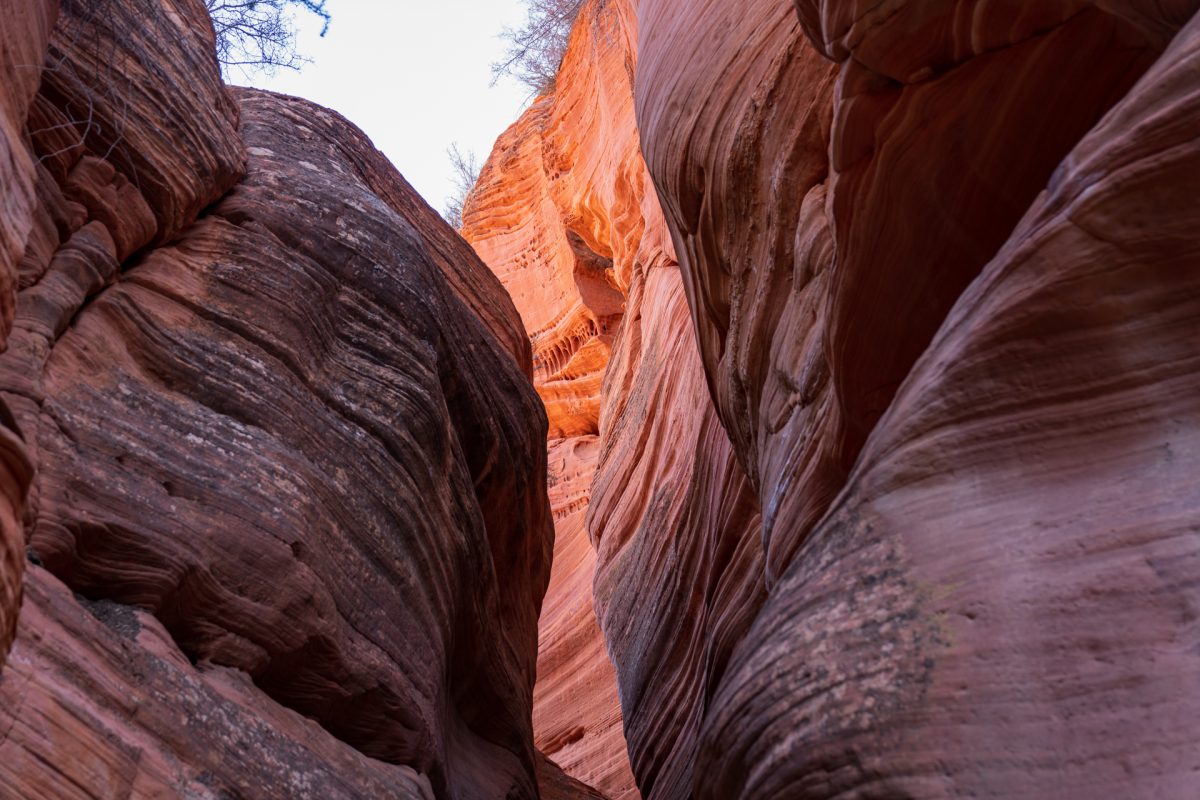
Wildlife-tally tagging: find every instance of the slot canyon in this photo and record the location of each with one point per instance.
(807, 409)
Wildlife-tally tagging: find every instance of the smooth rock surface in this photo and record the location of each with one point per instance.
(946, 628)
(1009, 581)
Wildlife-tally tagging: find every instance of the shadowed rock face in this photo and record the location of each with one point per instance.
(280, 426)
(679, 569)
(937, 268)
(1021, 530)
(98, 701)
(22, 44)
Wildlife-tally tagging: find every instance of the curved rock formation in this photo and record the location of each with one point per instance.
(1021, 532)
(99, 702)
(564, 214)
(288, 442)
(871, 455)
(22, 45)
(830, 206)
(679, 576)
(561, 212)
(576, 711)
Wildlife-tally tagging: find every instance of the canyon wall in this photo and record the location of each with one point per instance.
(272, 465)
(891, 496)
(943, 274)
(562, 213)
(22, 45)
(865, 343)
(566, 216)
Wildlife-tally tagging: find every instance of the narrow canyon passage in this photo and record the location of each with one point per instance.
(807, 408)
(839, 221)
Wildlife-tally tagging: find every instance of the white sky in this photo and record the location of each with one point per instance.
(413, 74)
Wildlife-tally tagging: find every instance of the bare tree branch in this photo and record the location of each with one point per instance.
(261, 34)
(535, 50)
(465, 168)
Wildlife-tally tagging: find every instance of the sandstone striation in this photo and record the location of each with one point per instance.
(288, 458)
(23, 42)
(865, 338)
(98, 701)
(841, 186)
(679, 574)
(565, 215)
(1020, 533)
(576, 711)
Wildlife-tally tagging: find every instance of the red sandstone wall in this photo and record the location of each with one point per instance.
(942, 272)
(271, 550)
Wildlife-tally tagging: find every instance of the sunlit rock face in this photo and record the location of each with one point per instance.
(942, 269)
(563, 215)
(288, 510)
(678, 573)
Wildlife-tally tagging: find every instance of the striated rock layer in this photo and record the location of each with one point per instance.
(290, 471)
(679, 575)
(941, 265)
(98, 701)
(576, 711)
(1021, 531)
(564, 214)
(23, 40)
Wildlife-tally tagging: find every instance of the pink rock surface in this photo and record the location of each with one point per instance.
(565, 215)
(98, 702)
(1008, 583)
(830, 217)
(679, 574)
(576, 711)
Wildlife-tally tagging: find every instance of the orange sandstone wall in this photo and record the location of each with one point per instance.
(565, 215)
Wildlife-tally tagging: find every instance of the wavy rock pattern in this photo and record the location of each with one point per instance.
(576, 711)
(98, 702)
(23, 40)
(679, 574)
(833, 208)
(564, 215)
(291, 441)
(1021, 532)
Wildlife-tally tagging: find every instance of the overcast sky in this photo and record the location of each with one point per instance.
(413, 74)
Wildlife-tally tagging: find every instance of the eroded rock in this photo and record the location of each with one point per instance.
(279, 414)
